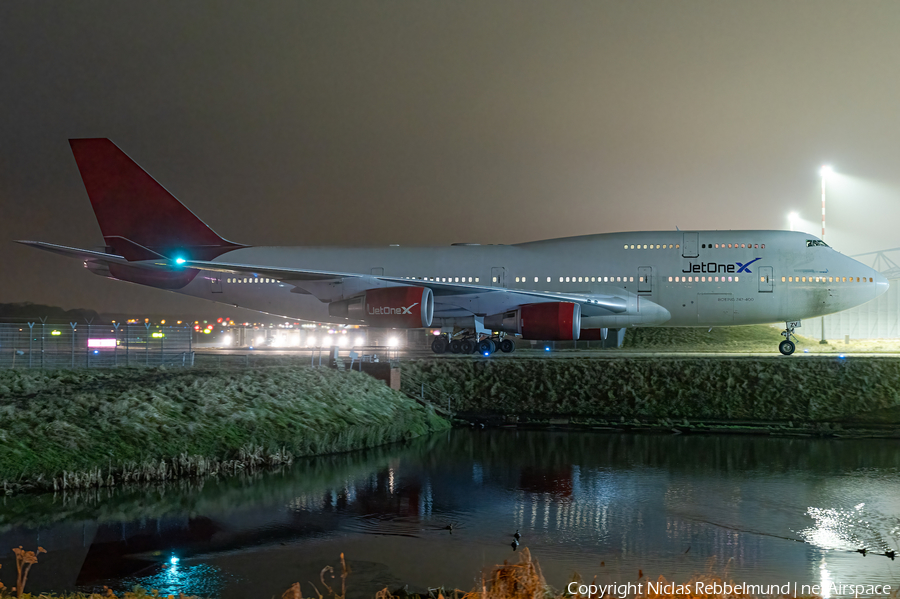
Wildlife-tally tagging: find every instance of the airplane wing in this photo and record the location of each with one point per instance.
(443, 292)
(450, 298)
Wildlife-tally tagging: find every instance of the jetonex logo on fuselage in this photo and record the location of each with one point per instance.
(715, 267)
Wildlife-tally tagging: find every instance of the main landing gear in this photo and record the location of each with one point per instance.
(787, 346)
(466, 343)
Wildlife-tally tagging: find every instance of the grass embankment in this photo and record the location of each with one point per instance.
(666, 390)
(744, 339)
(94, 428)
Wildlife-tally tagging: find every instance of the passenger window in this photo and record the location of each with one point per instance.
(670, 279)
(632, 247)
(871, 280)
(631, 280)
(677, 245)
(640, 279)
(476, 279)
(736, 279)
(494, 279)
(626, 246)
(645, 246)
(756, 246)
(830, 280)
(535, 279)
(657, 246)
(560, 279)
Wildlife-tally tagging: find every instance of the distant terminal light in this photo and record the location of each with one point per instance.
(56, 333)
(179, 260)
(157, 334)
(101, 343)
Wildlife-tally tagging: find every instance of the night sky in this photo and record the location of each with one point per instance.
(427, 123)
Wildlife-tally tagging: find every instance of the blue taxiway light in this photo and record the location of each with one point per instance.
(173, 560)
(487, 353)
(179, 260)
(546, 349)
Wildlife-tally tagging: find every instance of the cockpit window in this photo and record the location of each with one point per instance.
(815, 242)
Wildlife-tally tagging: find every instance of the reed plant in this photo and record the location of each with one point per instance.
(520, 580)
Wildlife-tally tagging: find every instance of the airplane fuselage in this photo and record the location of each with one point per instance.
(706, 278)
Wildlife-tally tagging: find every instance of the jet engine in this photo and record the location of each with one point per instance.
(551, 321)
(390, 307)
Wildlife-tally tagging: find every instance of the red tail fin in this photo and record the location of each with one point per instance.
(139, 219)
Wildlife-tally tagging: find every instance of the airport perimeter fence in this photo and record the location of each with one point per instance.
(45, 345)
(74, 345)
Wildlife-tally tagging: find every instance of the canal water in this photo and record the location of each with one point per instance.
(439, 511)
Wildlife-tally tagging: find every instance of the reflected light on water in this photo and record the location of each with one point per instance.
(835, 528)
(826, 580)
(200, 580)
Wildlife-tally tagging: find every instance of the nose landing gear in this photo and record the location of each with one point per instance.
(787, 346)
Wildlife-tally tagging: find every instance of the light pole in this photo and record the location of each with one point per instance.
(824, 172)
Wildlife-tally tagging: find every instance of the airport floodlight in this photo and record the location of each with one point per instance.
(826, 171)
(179, 260)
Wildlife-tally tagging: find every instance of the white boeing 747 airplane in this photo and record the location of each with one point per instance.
(479, 295)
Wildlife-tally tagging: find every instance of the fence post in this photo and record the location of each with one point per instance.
(147, 344)
(72, 325)
(127, 356)
(116, 350)
(30, 343)
(87, 350)
(43, 322)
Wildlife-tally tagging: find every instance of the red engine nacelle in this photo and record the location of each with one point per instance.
(552, 321)
(390, 307)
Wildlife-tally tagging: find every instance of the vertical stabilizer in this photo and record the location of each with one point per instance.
(138, 217)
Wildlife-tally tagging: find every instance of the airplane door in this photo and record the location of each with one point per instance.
(215, 285)
(766, 279)
(690, 245)
(498, 276)
(645, 279)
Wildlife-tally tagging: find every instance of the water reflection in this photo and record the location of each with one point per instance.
(438, 510)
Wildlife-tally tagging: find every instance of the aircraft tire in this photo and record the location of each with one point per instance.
(439, 345)
(786, 347)
(454, 346)
(466, 346)
(486, 347)
(507, 346)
